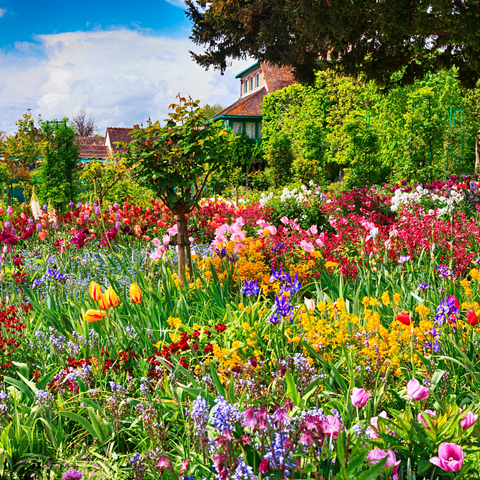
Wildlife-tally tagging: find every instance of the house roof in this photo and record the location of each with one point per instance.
(118, 134)
(277, 77)
(251, 67)
(92, 147)
(249, 105)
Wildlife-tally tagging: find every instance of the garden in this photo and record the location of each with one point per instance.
(306, 330)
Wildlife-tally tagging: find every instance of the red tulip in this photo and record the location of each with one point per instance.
(472, 318)
(404, 318)
(455, 300)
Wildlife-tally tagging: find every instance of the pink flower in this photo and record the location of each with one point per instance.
(238, 236)
(359, 397)
(156, 242)
(184, 466)
(238, 247)
(415, 391)
(9, 211)
(164, 463)
(166, 239)
(374, 423)
(284, 220)
(272, 229)
(307, 246)
(281, 416)
(310, 304)
(376, 455)
(450, 457)
(313, 230)
(331, 426)
(468, 420)
(432, 413)
(264, 466)
(173, 230)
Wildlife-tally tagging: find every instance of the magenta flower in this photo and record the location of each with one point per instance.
(415, 391)
(376, 455)
(331, 426)
(450, 457)
(374, 423)
(468, 420)
(164, 463)
(264, 466)
(420, 419)
(359, 397)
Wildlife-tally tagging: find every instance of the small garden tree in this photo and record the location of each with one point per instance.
(177, 160)
(60, 163)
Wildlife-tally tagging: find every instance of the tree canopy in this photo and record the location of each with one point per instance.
(362, 37)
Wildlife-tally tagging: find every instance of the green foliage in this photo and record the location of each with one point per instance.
(370, 38)
(279, 157)
(59, 168)
(209, 111)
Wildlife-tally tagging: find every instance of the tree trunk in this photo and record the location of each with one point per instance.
(477, 153)
(183, 248)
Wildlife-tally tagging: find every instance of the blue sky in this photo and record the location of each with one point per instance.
(122, 61)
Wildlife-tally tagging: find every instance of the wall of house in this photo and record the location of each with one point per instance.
(252, 81)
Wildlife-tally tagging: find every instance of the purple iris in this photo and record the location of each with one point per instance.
(282, 309)
(250, 287)
(424, 286)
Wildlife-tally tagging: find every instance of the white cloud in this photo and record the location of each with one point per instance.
(177, 3)
(120, 76)
(3, 11)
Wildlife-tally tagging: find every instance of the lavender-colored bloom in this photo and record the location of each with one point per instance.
(71, 204)
(118, 225)
(13, 230)
(277, 276)
(282, 309)
(43, 398)
(444, 271)
(424, 286)
(39, 227)
(30, 221)
(199, 415)
(97, 211)
(115, 205)
(250, 287)
(243, 471)
(79, 204)
(72, 474)
(86, 216)
(447, 310)
(224, 416)
(45, 207)
(136, 462)
(404, 259)
(7, 224)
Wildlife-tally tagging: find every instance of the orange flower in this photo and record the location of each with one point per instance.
(104, 303)
(93, 315)
(112, 297)
(96, 291)
(135, 293)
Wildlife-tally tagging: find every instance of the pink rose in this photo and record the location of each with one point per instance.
(415, 391)
(450, 457)
(359, 397)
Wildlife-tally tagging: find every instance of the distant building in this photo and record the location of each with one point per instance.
(103, 147)
(258, 80)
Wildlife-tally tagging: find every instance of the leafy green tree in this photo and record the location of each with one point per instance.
(177, 160)
(209, 111)
(58, 171)
(365, 37)
(22, 152)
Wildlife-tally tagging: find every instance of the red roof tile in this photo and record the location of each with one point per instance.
(93, 147)
(277, 77)
(117, 134)
(248, 105)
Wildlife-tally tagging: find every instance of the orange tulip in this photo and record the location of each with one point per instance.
(135, 293)
(472, 318)
(104, 303)
(96, 291)
(112, 297)
(404, 318)
(93, 315)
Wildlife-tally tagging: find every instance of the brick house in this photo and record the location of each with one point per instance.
(258, 80)
(103, 147)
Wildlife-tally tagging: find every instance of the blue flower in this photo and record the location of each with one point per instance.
(250, 287)
(423, 286)
(404, 259)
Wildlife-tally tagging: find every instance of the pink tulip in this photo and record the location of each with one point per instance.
(376, 455)
(359, 397)
(310, 304)
(415, 391)
(284, 220)
(331, 426)
(173, 230)
(307, 246)
(374, 423)
(432, 413)
(450, 457)
(313, 230)
(468, 420)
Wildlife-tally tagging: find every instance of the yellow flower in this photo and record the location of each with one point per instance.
(135, 293)
(236, 345)
(112, 297)
(103, 303)
(93, 316)
(266, 336)
(246, 326)
(174, 322)
(366, 302)
(250, 342)
(196, 326)
(241, 306)
(331, 264)
(386, 299)
(475, 274)
(95, 291)
(396, 298)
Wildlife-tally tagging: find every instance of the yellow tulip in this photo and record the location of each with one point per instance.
(95, 291)
(112, 297)
(135, 293)
(103, 303)
(93, 316)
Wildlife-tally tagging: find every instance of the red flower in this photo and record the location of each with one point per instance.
(208, 348)
(404, 318)
(472, 318)
(220, 327)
